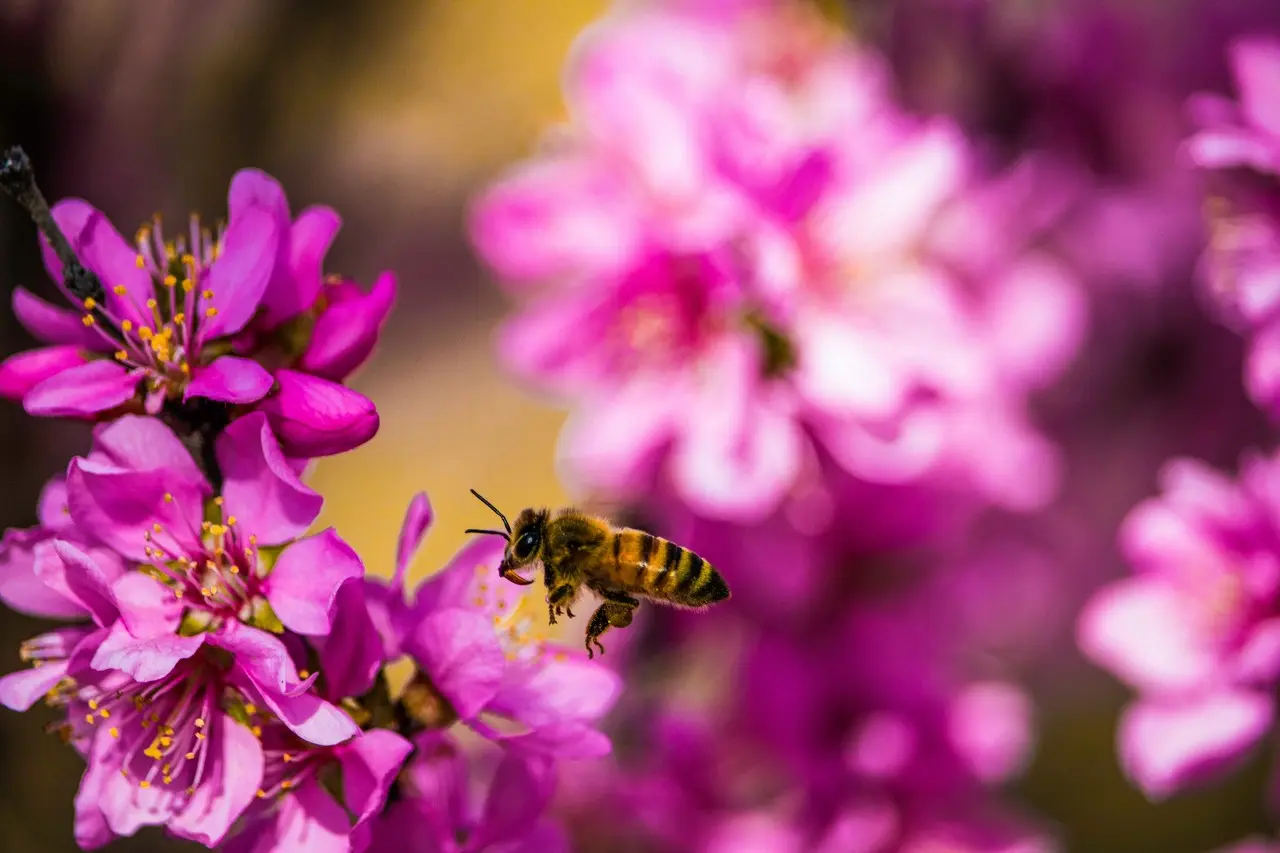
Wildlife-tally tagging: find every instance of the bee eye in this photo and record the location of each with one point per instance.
(526, 545)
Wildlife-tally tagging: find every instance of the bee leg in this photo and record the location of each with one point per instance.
(559, 598)
(611, 614)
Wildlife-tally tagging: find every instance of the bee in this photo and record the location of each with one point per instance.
(616, 563)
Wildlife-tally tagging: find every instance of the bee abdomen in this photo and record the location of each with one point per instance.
(680, 576)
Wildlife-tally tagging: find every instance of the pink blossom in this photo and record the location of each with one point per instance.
(1194, 630)
(738, 226)
(473, 638)
(437, 810)
(1247, 133)
(161, 331)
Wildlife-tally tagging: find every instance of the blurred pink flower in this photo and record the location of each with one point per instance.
(1248, 133)
(1194, 630)
(735, 271)
(438, 809)
(472, 636)
(173, 313)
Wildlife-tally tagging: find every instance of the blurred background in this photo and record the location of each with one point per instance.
(396, 112)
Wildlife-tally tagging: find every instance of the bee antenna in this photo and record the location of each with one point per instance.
(490, 532)
(485, 501)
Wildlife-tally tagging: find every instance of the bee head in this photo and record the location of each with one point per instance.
(524, 542)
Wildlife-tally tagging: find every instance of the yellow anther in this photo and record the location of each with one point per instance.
(199, 735)
(166, 741)
(120, 290)
(105, 713)
(186, 368)
(253, 539)
(251, 709)
(231, 521)
(191, 791)
(208, 294)
(199, 722)
(151, 303)
(188, 285)
(217, 501)
(190, 756)
(157, 527)
(126, 325)
(90, 303)
(261, 794)
(93, 704)
(145, 333)
(179, 318)
(304, 674)
(170, 281)
(121, 355)
(287, 758)
(139, 260)
(168, 780)
(114, 731)
(144, 784)
(286, 784)
(257, 731)
(88, 718)
(87, 319)
(209, 312)
(235, 570)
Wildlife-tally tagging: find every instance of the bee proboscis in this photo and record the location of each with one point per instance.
(619, 564)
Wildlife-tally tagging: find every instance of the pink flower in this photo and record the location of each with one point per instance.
(735, 276)
(1194, 631)
(472, 636)
(173, 313)
(1248, 133)
(437, 810)
(140, 493)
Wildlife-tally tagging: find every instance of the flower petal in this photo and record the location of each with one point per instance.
(1256, 63)
(518, 795)
(1167, 747)
(143, 659)
(260, 486)
(123, 508)
(52, 324)
(20, 690)
(346, 332)
(303, 585)
(558, 691)
(99, 246)
(452, 586)
(370, 763)
(250, 247)
(316, 417)
(219, 801)
(297, 282)
(85, 389)
(1141, 630)
(352, 654)
(83, 578)
(21, 372)
(309, 819)
(148, 608)
(230, 379)
(568, 741)
(260, 656)
(146, 444)
(417, 519)
(460, 653)
(21, 588)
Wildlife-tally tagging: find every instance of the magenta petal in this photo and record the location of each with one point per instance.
(518, 796)
(303, 586)
(417, 518)
(21, 588)
(346, 332)
(260, 486)
(21, 372)
(230, 379)
(352, 654)
(148, 608)
(294, 287)
(460, 652)
(122, 508)
(310, 819)
(1256, 63)
(19, 691)
(452, 586)
(558, 691)
(86, 389)
(260, 656)
(250, 247)
(85, 580)
(390, 614)
(99, 246)
(52, 324)
(568, 741)
(1168, 747)
(147, 444)
(316, 417)
(219, 802)
(370, 764)
(144, 659)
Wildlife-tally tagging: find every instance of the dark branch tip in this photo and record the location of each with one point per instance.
(16, 175)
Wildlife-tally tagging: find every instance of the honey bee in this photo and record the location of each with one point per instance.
(616, 563)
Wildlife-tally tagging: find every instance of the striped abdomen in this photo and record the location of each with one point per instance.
(651, 566)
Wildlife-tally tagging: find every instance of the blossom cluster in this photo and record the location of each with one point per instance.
(1195, 631)
(221, 665)
(799, 329)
